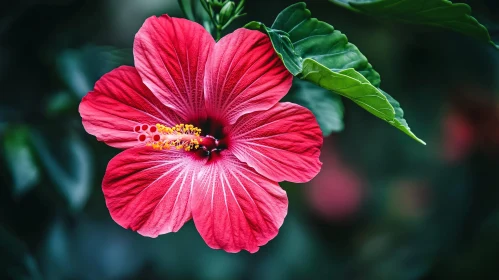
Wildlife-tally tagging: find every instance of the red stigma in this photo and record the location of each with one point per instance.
(145, 127)
(152, 129)
(137, 128)
(156, 137)
(142, 138)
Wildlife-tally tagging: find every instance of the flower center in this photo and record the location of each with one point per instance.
(180, 136)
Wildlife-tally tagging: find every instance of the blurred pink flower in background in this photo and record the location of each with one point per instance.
(458, 136)
(337, 192)
(471, 124)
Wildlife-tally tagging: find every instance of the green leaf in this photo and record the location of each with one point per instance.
(20, 160)
(59, 103)
(398, 119)
(81, 68)
(350, 84)
(297, 36)
(327, 108)
(313, 51)
(438, 13)
(56, 257)
(68, 162)
(17, 262)
(187, 9)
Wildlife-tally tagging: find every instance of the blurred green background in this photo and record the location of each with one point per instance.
(383, 207)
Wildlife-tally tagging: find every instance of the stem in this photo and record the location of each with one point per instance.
(215, 17)
(208, 10)
(219, 33)
(231, 20)
(210, 13)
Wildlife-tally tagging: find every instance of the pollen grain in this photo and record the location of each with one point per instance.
(161, 137)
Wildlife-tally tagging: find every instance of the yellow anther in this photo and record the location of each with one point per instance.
(180, 136)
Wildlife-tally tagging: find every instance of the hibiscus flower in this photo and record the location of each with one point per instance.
(203, 133)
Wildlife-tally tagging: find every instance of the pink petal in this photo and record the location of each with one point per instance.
(282, 143)
(243, 75)
(119, 102)
(234, 208)
(170, 55)
(148, 191)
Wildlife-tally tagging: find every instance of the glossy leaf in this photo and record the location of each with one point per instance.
(313, 51)
(327, 108)
(398, 119)
(351, 85)
(438, 13)
(297, 36)
(20, 160)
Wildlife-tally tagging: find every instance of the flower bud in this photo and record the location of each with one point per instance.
(226, 12)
